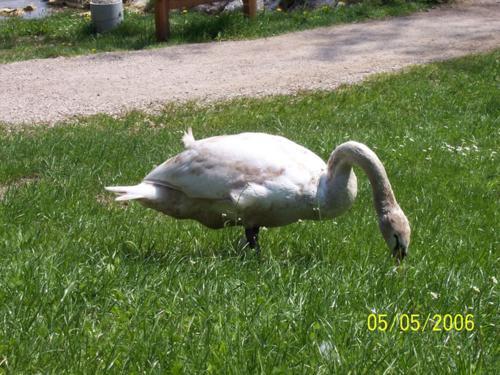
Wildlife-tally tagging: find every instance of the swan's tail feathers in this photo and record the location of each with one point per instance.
(188, 138)
(128, 193)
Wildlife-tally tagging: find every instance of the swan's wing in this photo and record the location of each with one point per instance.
(207, 176)
(242, 168)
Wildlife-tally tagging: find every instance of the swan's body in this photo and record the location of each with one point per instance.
(257, 179)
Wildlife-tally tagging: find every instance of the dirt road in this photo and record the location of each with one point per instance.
(50, 90)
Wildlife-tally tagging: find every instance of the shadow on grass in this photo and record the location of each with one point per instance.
(203, 28)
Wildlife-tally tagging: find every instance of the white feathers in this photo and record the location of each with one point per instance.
(140, 191)
(188, 138)
(222, 167)
(262, 179)
(258, 179)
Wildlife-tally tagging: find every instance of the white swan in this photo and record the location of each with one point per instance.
(257, 179)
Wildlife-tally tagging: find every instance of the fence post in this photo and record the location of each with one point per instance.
(162, 23)
(250, 8)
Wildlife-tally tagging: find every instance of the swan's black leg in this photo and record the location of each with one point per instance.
(252, 235)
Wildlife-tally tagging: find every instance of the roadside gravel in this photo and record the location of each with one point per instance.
(50, 90)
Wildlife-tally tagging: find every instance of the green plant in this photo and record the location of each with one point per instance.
(89, 285)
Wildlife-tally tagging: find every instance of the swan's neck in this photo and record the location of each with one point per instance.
(340, 164)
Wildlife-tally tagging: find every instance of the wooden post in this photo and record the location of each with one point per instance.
(250, 8)
(162, 9)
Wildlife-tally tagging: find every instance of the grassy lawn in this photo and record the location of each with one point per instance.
(89, 285)
(70, 33)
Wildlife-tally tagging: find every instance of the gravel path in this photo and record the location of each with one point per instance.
(50, 90)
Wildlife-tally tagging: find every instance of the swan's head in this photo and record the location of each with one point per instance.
(396, 231)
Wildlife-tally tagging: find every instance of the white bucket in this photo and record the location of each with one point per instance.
(106, 14)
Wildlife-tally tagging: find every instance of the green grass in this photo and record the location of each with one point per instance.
(70, 33)
(89, 285)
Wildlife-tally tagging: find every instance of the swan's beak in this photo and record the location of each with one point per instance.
(399, 253)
